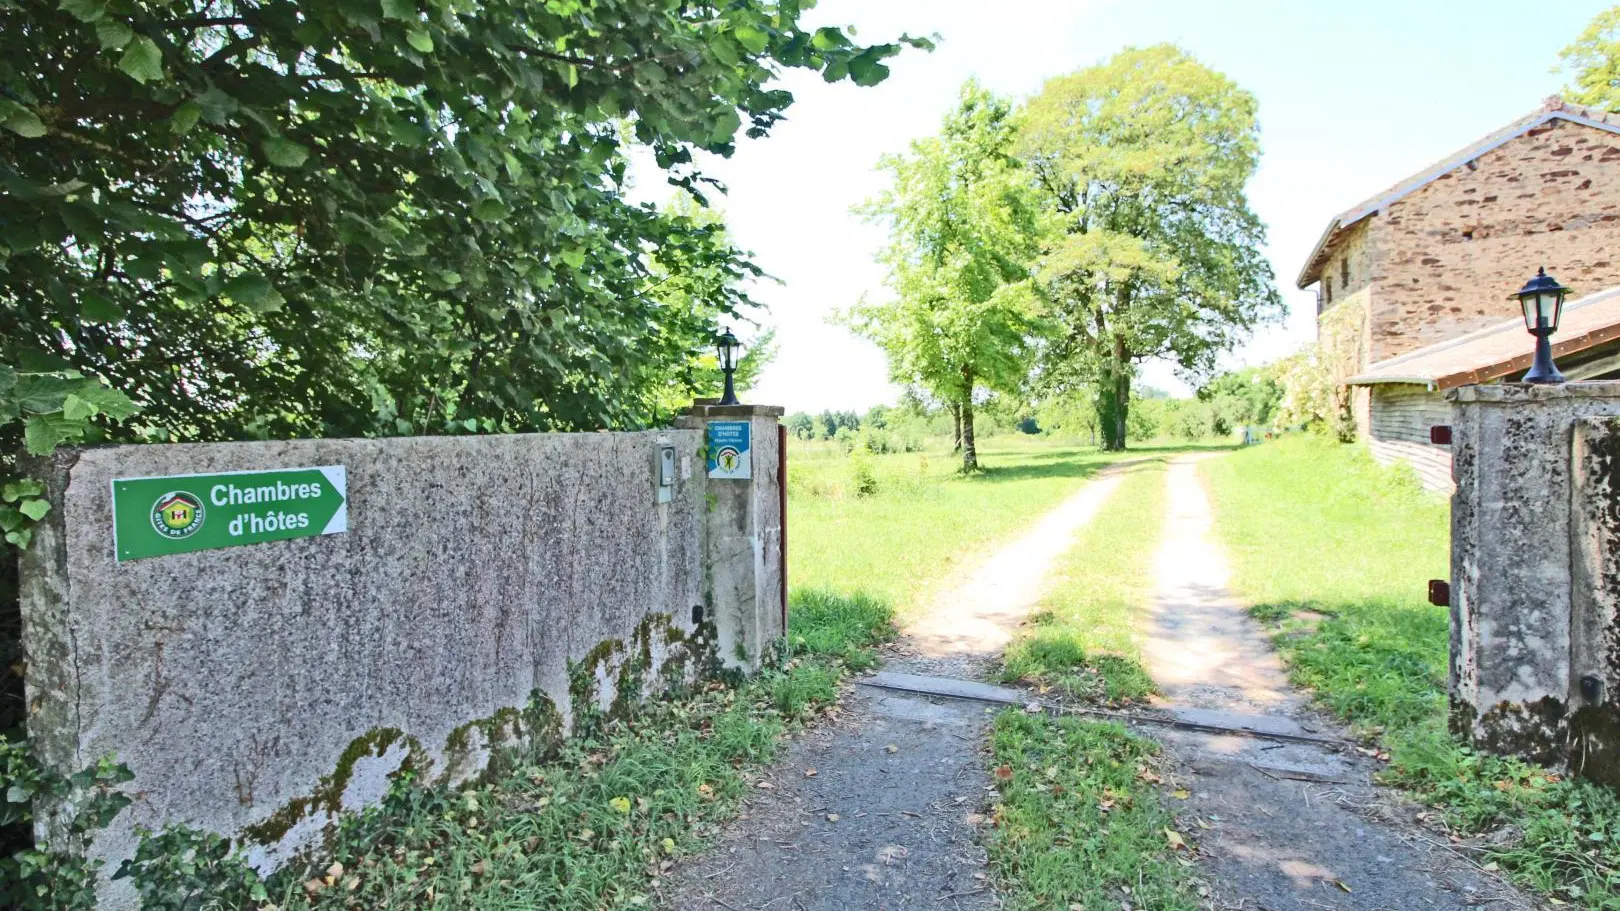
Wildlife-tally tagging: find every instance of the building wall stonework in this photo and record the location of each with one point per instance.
(1447, 255)
(1350, 268)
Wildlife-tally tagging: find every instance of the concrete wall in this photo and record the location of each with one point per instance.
(1448, 254)
(485, 588)
(1401, 417)
(1526, 623)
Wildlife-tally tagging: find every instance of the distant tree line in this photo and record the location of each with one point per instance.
(911, 425)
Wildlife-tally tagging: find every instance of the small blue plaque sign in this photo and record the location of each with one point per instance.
(729, 453)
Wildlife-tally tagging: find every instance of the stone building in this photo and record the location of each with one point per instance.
(1434, 259)
(1407, 393)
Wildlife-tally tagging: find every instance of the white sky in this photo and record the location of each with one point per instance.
(1353, 97)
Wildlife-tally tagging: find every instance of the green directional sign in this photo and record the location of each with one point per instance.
(176, 514)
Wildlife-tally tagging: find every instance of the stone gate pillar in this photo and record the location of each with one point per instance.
(1533, 550)
(1595, 599)
(742, 528)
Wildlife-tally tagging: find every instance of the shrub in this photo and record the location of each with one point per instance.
(863, 476)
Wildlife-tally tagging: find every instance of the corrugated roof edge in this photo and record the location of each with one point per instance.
(1374, 375)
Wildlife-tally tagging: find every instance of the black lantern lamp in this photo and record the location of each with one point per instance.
(1542, 298)
(727, 346)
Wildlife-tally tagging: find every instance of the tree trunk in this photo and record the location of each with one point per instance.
(970, 455)
(956, 436)
(1114, 398)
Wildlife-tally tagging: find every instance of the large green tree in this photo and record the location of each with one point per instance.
(964, 227)
(1593, 62)
(358, 217)
(1144, 160)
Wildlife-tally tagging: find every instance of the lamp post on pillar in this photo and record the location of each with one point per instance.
(743, 588)
(1542, 298)
(726, 345)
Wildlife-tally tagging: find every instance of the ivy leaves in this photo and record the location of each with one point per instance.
(57, 878)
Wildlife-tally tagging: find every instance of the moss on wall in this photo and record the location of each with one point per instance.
(1534, 731)
(328, 795)
(628, 667)
(1594, 735)
(534, 732)
(511, 736)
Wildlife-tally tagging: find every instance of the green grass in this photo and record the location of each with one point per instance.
(1080, 823)
(1083, 640)
(922, 519)
(844, 627)
(1336, 552)
(1319, 528)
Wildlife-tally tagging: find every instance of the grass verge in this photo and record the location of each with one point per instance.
(1334, 551)
(1080, 824)
(839, 626)
(1082, 640)
(917, 518)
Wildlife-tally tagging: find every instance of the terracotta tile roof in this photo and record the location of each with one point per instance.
(1500, 350)
(1554, 108)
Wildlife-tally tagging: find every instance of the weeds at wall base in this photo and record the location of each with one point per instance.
(587, 827)
(70, 807)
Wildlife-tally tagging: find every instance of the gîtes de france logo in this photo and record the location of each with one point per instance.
(177, 514)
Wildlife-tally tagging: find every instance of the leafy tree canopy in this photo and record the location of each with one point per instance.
(1250, 396)
(1593, 62)
(1144, 158)
(964, 227)
(357, 217)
